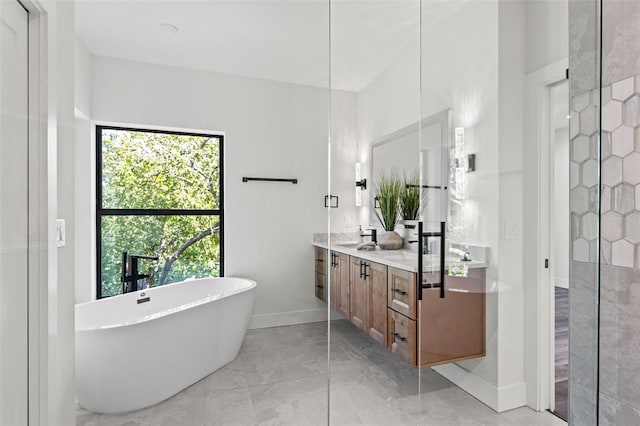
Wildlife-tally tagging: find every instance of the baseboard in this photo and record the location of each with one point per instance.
(562, 282)
(288, 318)
(499, 399)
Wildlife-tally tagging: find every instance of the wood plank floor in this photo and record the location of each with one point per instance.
(562, 352)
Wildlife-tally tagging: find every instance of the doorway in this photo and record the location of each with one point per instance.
(559, 244)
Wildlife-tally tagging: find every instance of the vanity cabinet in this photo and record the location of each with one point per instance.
(368, 298)
(383, 302)
(436, 330)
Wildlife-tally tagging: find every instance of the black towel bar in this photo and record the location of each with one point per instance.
(247, 179)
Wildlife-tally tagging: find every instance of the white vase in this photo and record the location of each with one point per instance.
(390, 240)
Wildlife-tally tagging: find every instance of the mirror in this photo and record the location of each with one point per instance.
(396, 152)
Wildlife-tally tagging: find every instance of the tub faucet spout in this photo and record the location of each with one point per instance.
(130, 274)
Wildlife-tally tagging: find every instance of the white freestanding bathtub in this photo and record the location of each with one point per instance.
(138, 349)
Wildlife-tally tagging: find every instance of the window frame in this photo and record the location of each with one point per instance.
(100, 211)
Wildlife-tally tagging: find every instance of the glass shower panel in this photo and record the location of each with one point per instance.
(214, 160)
(590, 205)
(375, 172)
(464, 251)
(619, 337)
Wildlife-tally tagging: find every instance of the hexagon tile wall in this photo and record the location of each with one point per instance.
(620, 175)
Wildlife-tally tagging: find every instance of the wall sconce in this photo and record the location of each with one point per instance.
(361, 184)
(460, 165)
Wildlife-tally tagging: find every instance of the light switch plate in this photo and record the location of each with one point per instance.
(60, 233)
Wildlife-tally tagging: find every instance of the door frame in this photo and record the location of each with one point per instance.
(547, 207)
(539, 294)
(42, 208)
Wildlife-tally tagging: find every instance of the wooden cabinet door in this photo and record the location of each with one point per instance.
(335, 280)
(343, 289)
(321, 260)
(402, 292)
(402, 337)
(321, 283)
(377, 277)
(359, 296)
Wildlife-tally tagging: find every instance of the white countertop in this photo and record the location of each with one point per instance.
(402, 259)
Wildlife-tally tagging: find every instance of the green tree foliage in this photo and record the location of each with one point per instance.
(143, 170)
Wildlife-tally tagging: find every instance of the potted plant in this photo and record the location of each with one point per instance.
(388, 190)
(412, 200)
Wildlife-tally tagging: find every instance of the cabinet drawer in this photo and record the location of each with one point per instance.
(401, 295)
(321, 260)
(402, 336)
(321, 286)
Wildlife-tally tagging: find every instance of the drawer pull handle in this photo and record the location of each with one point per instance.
(398, 291)
(400, 337)
(319, 286)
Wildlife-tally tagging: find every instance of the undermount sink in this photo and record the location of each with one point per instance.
(346, 243)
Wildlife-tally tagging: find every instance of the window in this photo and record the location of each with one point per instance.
(159, 193)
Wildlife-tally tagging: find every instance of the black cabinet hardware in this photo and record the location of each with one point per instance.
(365, 275)
(399, 337)
(398, 291)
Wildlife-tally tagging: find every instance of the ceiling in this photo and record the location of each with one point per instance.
(270, 39)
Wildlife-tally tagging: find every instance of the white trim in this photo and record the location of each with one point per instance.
(143, 126)
(562, 282)
(39, 211)
(498, 398)
(288, 318)
(538, 283)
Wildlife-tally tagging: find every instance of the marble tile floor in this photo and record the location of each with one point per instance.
(280, 378)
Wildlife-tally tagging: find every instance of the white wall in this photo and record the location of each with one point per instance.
(271, 129)
(474, 64)
(561, 207)
(84, 166)
(547, 32)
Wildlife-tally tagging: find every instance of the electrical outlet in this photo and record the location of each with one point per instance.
(60, 233)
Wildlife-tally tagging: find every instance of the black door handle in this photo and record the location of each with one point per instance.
(442, 235)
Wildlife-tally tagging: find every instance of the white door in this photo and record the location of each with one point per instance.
(13, 213)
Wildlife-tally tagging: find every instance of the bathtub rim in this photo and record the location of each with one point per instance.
(168, 312)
